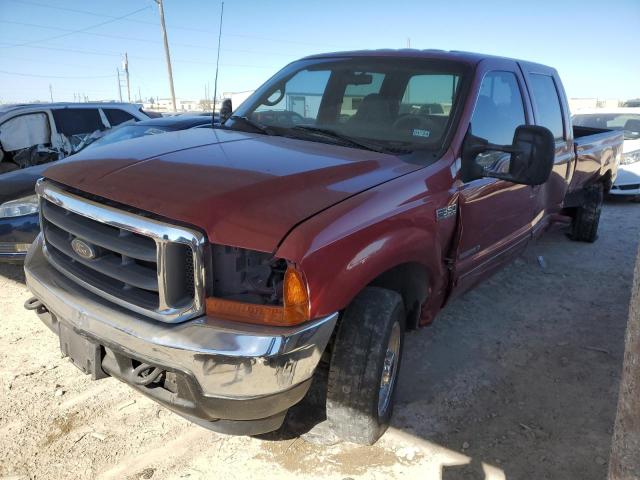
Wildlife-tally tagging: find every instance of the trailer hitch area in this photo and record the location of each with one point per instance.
(145, 374)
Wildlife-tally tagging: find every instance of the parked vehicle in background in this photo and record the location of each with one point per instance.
(34, 134)
(31, 136)
(627, 120)
(147, 127)
(19, 222)
(342, 204)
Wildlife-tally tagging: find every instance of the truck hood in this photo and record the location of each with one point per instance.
(242, 189)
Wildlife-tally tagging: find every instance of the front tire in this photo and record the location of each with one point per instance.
(584, 227)
(365, 363)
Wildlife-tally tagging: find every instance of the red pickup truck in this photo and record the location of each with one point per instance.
(344, 203)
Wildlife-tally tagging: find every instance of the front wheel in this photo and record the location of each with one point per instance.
(365, 363)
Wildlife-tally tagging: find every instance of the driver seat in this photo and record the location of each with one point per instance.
(374, 110)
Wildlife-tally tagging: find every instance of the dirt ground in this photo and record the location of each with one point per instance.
(516, 380)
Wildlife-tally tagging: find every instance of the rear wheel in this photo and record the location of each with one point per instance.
(584, 227)
(365, 362)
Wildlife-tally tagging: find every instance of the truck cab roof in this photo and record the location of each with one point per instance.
(470, 58)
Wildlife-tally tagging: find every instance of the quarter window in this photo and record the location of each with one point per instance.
(116, 116)
(499, 109)
(547, 102)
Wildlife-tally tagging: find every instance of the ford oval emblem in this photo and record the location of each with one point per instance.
(83, 249)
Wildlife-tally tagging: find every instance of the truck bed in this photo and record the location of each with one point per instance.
(597, 150)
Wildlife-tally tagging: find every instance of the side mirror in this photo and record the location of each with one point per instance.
(225, 110)
(528, 160)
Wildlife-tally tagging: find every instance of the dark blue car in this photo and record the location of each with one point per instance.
(19, 221)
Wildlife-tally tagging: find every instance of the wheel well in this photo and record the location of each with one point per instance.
(410, 280)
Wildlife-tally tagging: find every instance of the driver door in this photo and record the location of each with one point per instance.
(495, 216)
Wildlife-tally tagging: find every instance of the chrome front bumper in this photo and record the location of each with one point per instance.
(228, 360)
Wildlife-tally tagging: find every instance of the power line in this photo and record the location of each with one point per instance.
(44, 62)
(115, 54)
(72, 50)
(82, 30)
(95, 34)
(177, 27)
(54, 76)
(143, 40)
(86, 12)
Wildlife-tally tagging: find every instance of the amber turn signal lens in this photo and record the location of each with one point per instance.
(296, 298)
(295, 310)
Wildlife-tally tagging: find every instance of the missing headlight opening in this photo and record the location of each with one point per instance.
(247, 276)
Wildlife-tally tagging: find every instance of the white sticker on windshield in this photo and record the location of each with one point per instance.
(417, 132)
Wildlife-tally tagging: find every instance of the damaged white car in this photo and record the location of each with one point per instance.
(36, 134)
(31, 136)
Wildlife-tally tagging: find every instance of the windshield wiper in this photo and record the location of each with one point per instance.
(338, 136)
(255, 125)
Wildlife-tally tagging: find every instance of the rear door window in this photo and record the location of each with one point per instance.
(117, 116)
(78, 121)
(547, 103)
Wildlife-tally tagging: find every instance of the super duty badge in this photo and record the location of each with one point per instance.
(446, 212)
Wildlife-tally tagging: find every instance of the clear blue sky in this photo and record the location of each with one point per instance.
(595, 45)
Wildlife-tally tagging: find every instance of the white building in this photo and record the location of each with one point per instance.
(237, 97)
(165, 105)
(576, 104)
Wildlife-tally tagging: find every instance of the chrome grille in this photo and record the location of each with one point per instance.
(140, 263)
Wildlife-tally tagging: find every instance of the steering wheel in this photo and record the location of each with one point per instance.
(409, 122)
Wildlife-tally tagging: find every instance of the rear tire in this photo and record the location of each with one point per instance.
(365, 363)
(584, 227)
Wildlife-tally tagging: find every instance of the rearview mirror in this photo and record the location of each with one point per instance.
(225, 110)
(359, 79)
(528, 160)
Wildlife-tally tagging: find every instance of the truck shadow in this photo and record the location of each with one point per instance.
(521, 375)
(12, 271)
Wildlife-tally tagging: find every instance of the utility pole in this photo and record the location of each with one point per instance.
(51, 93)
(119, 85)
(125, 66)
(215, 84)
(166, 53)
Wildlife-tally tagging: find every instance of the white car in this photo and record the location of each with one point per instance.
(627, 119)
(31, 137)
(34, 134)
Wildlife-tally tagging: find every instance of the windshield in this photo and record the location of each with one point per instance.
(396, 104)
(125, 133)
(628, 122)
